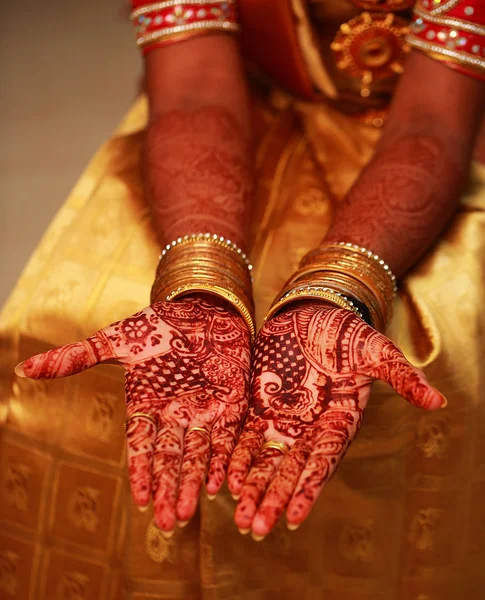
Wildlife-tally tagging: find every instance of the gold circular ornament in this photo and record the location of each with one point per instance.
(371, 48)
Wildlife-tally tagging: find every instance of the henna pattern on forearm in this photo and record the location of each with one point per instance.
(199, 174)
(312, 374)
(187, 364)
(401, 202)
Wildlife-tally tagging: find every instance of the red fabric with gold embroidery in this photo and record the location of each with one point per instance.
(165, 22)
(452, 31)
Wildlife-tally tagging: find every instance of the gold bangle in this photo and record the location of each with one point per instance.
(359, 270)
(351, 251)
(166, 284)
(206, 263)
(349, 286)
(222, 276)
(314, 293)
(219, 260)
(205, 239)
(354, 289)
(221, 293)
(354, 267)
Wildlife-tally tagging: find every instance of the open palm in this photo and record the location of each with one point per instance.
(187, 379)
(312, 374)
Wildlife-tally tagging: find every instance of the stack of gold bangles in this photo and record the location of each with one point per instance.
(206, 262)
(347, 276)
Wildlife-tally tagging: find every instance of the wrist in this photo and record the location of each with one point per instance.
(207, 298)
(206, 264)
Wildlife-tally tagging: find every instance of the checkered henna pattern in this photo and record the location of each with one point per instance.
(187, 382)
(311, 379)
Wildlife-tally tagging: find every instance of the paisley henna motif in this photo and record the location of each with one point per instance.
(413, 186)
(187, 365)
(312, 375)
(199, 174)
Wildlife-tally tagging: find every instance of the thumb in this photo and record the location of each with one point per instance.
(385, 361)
(67, 360)
(411, 384)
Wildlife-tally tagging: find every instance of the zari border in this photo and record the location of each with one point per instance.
(448, 52)
(450, 22)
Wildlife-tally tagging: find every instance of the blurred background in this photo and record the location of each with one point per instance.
(69, 70)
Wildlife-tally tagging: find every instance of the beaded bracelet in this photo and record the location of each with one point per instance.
(375, 257)
(314, 292)
(213, 238)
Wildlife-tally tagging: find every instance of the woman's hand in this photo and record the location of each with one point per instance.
(187, 370)
(312, 375)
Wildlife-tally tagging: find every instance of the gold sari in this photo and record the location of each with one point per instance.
(403, 519)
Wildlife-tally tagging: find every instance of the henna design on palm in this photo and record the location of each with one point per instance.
(312, 374)
(187, 365)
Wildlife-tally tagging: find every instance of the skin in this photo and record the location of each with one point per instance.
(198, 177)
(312, 375)
(186, 365)
(410, 189)
(397, 208)
(198, 98)
(204, 153)
(197, 160)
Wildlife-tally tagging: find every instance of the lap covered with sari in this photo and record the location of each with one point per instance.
(403, 517)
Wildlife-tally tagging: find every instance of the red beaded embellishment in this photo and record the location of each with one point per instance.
(169, 20)
(452, 30)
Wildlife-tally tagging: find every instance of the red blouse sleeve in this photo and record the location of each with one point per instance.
(168, 21)
(452, 31)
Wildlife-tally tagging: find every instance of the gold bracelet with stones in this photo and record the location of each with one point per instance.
(352, 272)
(312, 292)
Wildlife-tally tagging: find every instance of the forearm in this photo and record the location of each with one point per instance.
(411, 187)
(197, 159)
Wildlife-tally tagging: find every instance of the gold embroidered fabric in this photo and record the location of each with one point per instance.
(404, 517)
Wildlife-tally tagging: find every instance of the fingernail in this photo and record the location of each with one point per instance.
(257, 538)
(19, 370)
(293, 526)
(142, 508)
(244, 531)
(167, 534)
(182, 524)
(236, 496)
(211, 496)
(445, 402)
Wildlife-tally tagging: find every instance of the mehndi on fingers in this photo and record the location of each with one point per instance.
(313, 369)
